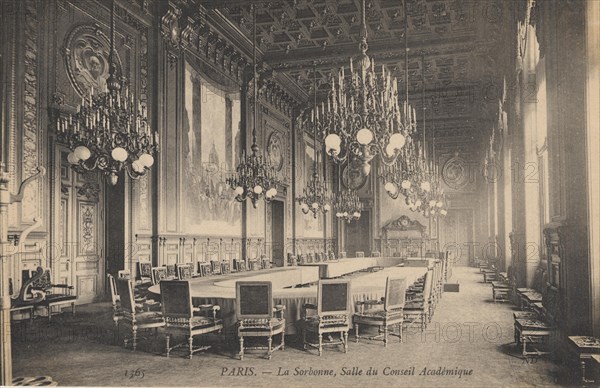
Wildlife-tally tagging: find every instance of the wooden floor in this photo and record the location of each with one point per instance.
(469, 343)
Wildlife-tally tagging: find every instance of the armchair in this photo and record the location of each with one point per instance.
(144, 275)
(265, 262)
(332, 314)
(384, 313)
(52, 298)
(116, 302)
(171, 271)
(159, 274)
(179, 316)
(136, 320)
(256, 316)
(215, 267)
(204, 268)
(184, 271)
(254, 264)
(239, 265)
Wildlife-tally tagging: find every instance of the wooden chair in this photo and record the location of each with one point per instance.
(256, 316)
(215, 267)
(418, 306)
(136, 320)
(204, 268)
(179, 316)
(225, 267)
(332, 315)
(310, 258)
(384, 313)
(116, 302)
(184, 271)
(239, 265)
(254, 264)
(265, 262)
(171, 271)
(292, 260)
(144, 275)
(159, 274)
(52, 297)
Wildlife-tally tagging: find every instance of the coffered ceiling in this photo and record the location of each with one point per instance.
(455, 47)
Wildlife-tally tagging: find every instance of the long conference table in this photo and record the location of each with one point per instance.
(220, 289)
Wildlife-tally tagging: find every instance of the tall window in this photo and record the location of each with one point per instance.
(534, 172)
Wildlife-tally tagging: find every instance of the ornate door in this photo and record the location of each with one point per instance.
(78, 254)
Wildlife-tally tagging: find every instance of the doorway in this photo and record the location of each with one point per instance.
(278, 233)
(456, 236)
(77, 257)
(358, 235)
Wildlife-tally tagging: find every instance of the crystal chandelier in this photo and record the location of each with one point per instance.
(347, 205)
(363, 116)
(255, 178)
(109, 132)
(315, 197)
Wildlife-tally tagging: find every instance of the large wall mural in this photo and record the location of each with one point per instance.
(211, 148)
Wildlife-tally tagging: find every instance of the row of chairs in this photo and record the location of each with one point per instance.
(147, 274)
(316, 257)
(535, 325)
(257, 316)
(424, 295)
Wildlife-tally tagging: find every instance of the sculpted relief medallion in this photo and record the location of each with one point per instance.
(87, 52)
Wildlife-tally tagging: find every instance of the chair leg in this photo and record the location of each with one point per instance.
(356, 333)
(270, 345)
(400, 332)
(134, 338)
(191, 345)
(241, 347)
(73, 308)
(320, 344)
(168, 342)
(385, 335)
(304, 339)
(345, 342)
(282, 341)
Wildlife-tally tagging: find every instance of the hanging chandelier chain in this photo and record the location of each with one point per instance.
(254, 81)
(405, 50)
(254, 178)
(314, 122)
